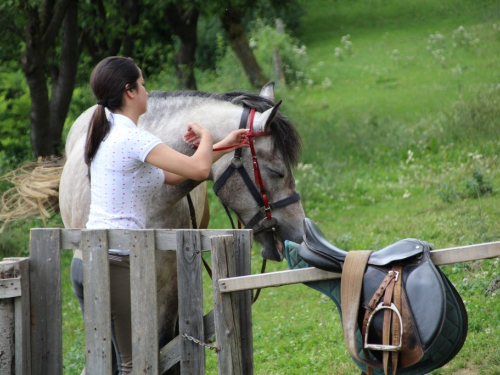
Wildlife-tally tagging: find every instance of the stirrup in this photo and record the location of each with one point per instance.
(389, 348)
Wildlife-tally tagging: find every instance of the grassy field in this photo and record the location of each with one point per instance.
(401, 139)
(400, 124)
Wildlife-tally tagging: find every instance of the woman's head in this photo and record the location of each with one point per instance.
(109, 80)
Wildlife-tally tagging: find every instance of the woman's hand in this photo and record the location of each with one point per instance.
(194, 133)
(237, 138)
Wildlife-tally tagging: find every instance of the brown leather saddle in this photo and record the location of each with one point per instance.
(395, 297)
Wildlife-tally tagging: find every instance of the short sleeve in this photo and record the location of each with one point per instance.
(143, 142)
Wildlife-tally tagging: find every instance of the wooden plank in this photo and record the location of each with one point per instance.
(190, 301)
(243, 246)
(466, 253)
(7, 337)
(97, 317)
(166, 239)
(439, 257)
(226, 308)
(22, 320)
(144, 302)
(274, 279)
(10, 288)
(8, 271)
(170, 353)
(46, 302)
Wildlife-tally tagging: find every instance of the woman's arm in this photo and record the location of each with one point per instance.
(178, 167)
(195, 167)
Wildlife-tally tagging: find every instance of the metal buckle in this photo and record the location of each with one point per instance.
(236, 161)
(389, 348)
(397, 274)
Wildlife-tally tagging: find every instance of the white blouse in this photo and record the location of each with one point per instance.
(122, 183)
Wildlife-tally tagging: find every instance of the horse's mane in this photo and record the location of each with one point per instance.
(286, 138)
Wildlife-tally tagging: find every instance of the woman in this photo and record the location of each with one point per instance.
(127, 165)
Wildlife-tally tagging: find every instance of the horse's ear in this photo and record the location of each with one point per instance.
(263, 121)
(268, 91)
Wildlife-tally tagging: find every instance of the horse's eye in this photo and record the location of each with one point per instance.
(276, 173)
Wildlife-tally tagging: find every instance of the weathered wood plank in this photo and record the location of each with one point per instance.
(170, 354)
(97, 317)
(22, 323)
(466, 253)
(10, 288)
(243, 246)
(226, 308)
(166, 239)
(22, 320)
(144, 302)
(46, 301)
(7, 337)
(8, 274)
(274, 279)
(439, 258)
(190, 301)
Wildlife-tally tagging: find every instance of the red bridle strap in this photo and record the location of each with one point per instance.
(256, 169)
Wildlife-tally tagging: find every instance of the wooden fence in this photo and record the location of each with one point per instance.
(34, 285)
(31, 300)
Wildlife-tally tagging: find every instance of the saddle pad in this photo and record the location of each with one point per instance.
(447, 344)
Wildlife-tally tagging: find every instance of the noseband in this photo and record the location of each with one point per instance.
(263, 219)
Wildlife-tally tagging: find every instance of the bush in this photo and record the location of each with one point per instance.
(15, 105)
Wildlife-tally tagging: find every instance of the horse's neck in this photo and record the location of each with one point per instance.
(168, 120)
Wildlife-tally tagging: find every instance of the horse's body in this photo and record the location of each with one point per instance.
(167, 118)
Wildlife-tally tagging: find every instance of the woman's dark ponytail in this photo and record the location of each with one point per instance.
(98, 130)
(109, 80)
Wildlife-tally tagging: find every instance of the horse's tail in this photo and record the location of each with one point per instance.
(35, 191)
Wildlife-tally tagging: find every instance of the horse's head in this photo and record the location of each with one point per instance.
(272, 207)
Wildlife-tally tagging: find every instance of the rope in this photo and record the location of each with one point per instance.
(35, 191)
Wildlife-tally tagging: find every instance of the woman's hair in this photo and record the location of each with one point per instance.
(109, 80)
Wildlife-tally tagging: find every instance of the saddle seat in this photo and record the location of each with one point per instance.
(394, 295)
(330, 257)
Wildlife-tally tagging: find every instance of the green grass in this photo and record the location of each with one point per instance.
(396, 144)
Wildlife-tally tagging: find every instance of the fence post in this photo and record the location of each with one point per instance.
(46, 301)
(97, 317)
(190, 301)
(143, 295)
(8, 277)
(226, 308)
(243, 245)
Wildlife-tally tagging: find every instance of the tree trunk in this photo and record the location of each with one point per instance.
(184, 25)
(34, 68)
(41, 32)
(232, 23)
(64, 84)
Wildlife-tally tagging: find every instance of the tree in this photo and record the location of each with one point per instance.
(44, 21)
(183, 21)
(232, 21)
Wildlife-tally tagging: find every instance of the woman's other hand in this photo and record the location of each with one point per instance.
(194, 133)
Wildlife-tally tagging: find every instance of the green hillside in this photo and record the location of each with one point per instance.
(401, 139)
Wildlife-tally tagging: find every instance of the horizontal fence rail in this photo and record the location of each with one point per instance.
(439, 258)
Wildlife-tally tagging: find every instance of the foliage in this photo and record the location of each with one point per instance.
(15, 106)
